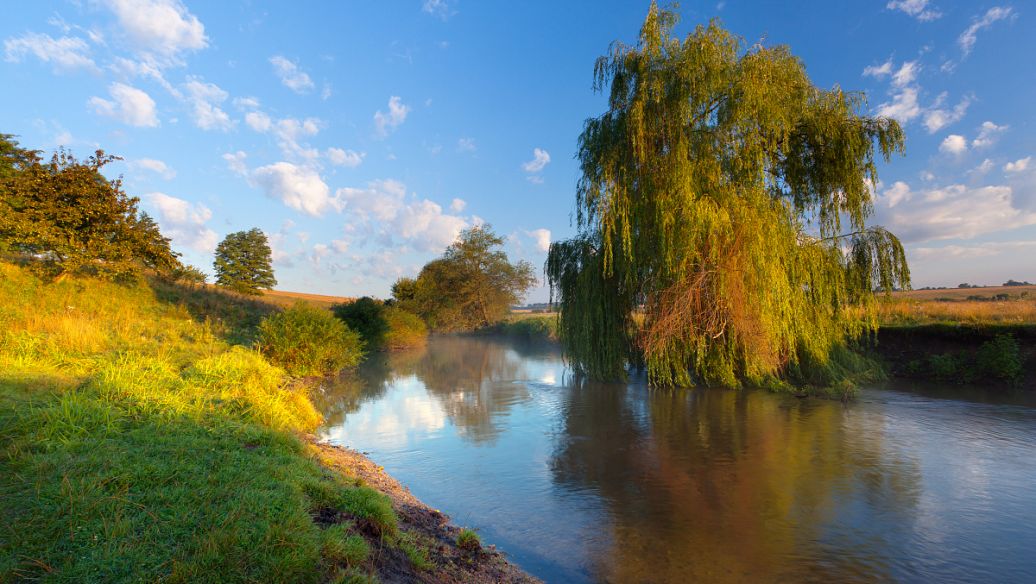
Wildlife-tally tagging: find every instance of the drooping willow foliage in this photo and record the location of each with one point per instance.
(722, 215)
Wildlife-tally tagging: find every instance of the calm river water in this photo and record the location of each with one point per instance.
(590, 482)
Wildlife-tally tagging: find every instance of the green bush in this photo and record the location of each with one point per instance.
(1000, 358)
(367, 317)
(468, 540)
(309, 341)
(944, 367)
(405, 329)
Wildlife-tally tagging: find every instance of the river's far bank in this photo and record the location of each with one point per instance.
(446, 561)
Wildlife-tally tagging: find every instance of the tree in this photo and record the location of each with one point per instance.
(366, 316)
(69, 218)
(722, 215)
(244, 262)
(404, 290)
(472, 285)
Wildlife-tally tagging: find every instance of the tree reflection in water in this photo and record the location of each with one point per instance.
(717, 485)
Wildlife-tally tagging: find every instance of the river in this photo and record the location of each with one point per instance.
(595, 482)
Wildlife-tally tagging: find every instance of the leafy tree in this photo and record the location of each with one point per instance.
(69, 218)
(404, 291)
(244, 262)
(306, 340)
(366, 316)
(472, 285)
(722, 215)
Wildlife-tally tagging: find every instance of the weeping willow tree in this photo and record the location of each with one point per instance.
(722, 215)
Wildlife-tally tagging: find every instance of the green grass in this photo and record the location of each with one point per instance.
(137, 443)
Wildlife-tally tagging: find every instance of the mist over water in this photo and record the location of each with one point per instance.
(584, 482)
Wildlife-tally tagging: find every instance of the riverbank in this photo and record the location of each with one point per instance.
(142, 440)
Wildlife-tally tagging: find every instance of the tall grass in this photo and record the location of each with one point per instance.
(909, 311)
(138, 443)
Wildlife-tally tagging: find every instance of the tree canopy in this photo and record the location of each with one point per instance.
(244, 262)
(722, 215)
(67, 217)
(472, 285)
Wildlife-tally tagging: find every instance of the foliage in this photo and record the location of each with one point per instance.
(1000, 359)
(244, 262)
(405, 329)
(711, 209)
(404, 290)
(468, 540)
(68, 218)
(309, 341)
(539, 327)
(189, 275)
(472, 285)
(366, 316)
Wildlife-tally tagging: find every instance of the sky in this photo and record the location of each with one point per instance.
(361, 137)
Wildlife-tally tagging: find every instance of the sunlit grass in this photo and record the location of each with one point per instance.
(139, 443)
(908, 311)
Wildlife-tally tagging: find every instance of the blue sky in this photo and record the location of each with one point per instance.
(362, 136)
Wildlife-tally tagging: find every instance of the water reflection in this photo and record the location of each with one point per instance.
(622, 483)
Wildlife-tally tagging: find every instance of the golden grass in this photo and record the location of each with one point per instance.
(908, 310)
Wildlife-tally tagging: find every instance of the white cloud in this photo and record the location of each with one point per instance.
(204, 99)
(897, 193)
(347, 158)
(298, 187)
(954, 144)
(440, 8)
(903, 107)
(326, 92)
(129, 105)
(983, 168)
(64, 54)
(236, 162)
(919, 9)
(951, 212)
(1018, 165)
(382, 209)
(290, 75)
(540, 159)
(878, 71)
(457, 205)
(160, 27)
(986, 249)
(387, 122)
(466, 145)
(937, 118)
(906, 74)
(988, 132)
(541, 237)
(251, 103)
(258, 121)
(156, 166)
(184, 222)
(970, 35)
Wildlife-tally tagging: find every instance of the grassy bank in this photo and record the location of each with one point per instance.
(143, 441)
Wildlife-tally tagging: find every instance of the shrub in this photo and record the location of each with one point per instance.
(405, 329)
(367, 317)
(1000, 359)
(943, 367)
(308, 341)
(468, 540)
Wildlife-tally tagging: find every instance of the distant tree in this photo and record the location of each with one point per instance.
(472, 285)
(404, 290)
(367, 317)
(1016, 283)
(966, 285)
(189, 275)
(244, 262)
(68, 218)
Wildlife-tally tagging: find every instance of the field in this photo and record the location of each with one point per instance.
(284, 298)
(994, 305)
